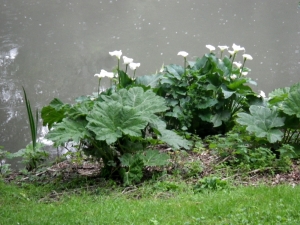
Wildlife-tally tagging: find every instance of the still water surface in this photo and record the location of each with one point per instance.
(54, 47)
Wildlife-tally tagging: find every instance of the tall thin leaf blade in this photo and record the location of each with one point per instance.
(33, 128)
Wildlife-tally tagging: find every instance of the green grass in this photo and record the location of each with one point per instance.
(241, 205)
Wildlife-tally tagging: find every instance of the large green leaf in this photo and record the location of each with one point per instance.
(295, 87)
(237, 83)
(50, 116)
(56, 104)
(227, 93)
(263, 122)
(219, 65)
(68, 130)
(149, 80)
(54, 112)
(125, 80)
(81, 109)
(218, 118)
(125, 112)
(132, 170)
(175, 70)
(291, 105)
(173, 139)
(278, 95)
(155, 158)
(110, 120)
(146, 102)
(201, 63)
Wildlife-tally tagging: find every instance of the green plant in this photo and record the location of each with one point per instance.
(278, 120)
(32, 123)
(133, 165)
(4, 167)
(192, 169)
(247, 152)
(204, 96)
(263, 122)
(33, 155)
(210, 183)
(115, 125)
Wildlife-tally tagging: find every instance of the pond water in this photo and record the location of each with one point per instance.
(54, 48)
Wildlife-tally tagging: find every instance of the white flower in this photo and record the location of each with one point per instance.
(237, 48)
(262, 94)
(238, 65)
(233, 77)
(116, 53)
(247, 56)
(210, 47)
(223, 47)
(104, 73)
(127, 60)
(162, 68)
(133, 66)
(231, 52)
(183, 53)
(244, 73)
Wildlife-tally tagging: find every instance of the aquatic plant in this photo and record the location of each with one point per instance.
(33, 155)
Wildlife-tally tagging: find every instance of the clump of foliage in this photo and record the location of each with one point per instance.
(277, 119)
(116, 126)
(211, 183)
(4, 167)
(204, 96)
(121, 125)
(245, 152)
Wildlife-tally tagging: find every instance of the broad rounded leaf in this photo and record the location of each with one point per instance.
(149, 80)
(110, 120)
(263, 122)
(291, 105)
(175, 70)
(125, 112)
(155, 158)
(67, 130)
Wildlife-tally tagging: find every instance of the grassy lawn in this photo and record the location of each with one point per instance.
(238, 205)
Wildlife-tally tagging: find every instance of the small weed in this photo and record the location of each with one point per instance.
(211, 183)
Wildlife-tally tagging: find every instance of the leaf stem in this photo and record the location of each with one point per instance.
(99, 86)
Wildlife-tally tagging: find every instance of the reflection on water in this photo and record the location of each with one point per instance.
(53, 48)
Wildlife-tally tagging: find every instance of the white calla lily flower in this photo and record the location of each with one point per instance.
(237, 48)
(244, 73)
(237, 64)
(133, 65)
(127, 60)
(116, 53)
(222, 47)
(231, 52)
(183, 53)
(210, 47)
(247, 56)
(233, 77)
(104, 73)
(262, 94)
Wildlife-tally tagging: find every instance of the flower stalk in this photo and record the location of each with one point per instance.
(184, 55)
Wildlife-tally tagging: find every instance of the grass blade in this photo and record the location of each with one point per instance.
(32, 124)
